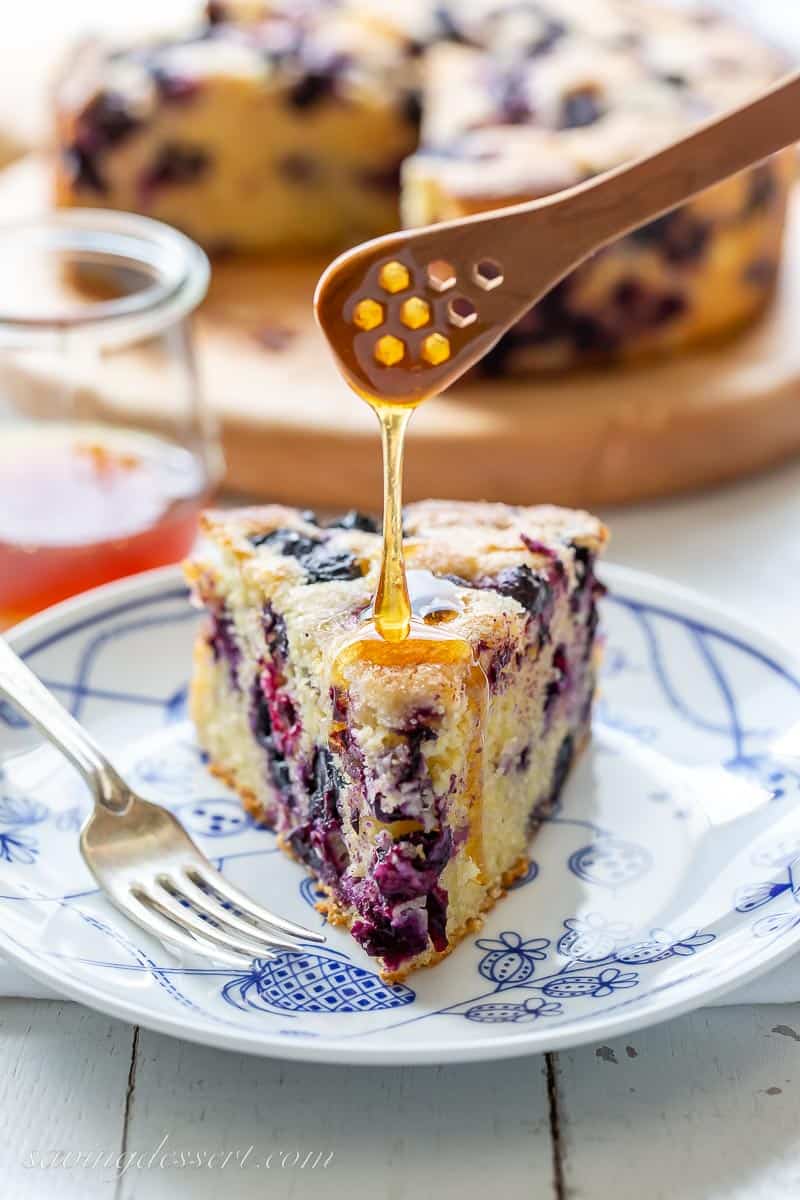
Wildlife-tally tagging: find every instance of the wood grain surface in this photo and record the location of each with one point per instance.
(703, 1108)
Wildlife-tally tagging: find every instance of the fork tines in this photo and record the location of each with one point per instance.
(197, 909)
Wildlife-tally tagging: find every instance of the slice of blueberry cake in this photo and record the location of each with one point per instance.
(408, 791)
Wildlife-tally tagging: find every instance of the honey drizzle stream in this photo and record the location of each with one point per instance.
(392, 605)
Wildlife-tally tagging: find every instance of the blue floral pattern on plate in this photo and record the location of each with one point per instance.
(313, 982)
(601, 931)
(18, 814)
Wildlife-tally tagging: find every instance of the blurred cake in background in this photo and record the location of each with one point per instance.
(310, 124)
(287, 134)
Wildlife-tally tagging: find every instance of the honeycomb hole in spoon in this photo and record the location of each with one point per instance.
(389, 350)
(415, 312)
(436, 349)
(394, 277)
(441, 275)
(368, 314)
(461, 312)
(488, 274)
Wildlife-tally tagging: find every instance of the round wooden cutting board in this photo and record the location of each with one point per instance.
(292, 431)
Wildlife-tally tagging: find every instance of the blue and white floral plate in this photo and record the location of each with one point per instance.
(670, 874)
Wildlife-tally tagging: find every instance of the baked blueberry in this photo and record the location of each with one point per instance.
(299, 168)
(327, 563)
(356, 520)
(173, 86)
(83, 170)
(762, 189)
(554, 30)
(318, 82)
(223, 642)
(106, 121)
(580, 108)
(447, 25)
(563, 763)
(275, 633)
(321, 561)
(526, 587)
(285, 541)
(176, 164)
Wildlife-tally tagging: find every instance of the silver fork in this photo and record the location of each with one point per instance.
(141, 856)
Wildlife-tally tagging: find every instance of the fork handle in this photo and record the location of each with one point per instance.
(25, 692)
(605, 208)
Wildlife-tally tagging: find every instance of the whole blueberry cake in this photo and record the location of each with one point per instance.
(407, 790)
(294, 124)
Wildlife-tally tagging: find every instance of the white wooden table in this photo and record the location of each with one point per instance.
(706, 1106)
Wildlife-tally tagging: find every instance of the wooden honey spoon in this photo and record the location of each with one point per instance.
(408, 313)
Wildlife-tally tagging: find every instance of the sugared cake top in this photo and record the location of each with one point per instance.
(493, 553)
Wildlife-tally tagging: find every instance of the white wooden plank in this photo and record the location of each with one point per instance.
(395, 1133)
(704, 1108)
(63, 1081)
